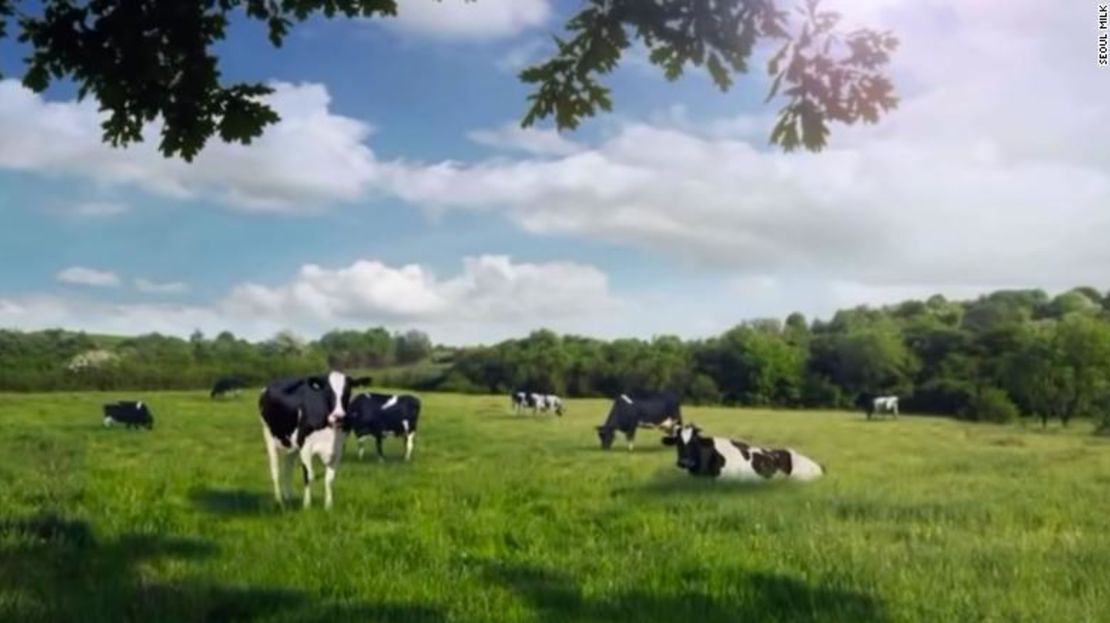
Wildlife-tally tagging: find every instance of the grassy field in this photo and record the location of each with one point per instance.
(515, 518)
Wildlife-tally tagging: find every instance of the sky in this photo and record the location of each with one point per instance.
(399, 190)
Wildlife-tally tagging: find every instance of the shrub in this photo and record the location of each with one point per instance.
(991, 405)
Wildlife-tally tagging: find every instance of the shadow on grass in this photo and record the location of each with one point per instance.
(56, 569)
(554, 596)
(232, 502)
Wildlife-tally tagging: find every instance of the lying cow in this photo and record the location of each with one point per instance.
(720, 457)
(130, 414)
(379, 414)
(305, 417)
(873, 404)
(226, 385)
(659, 410)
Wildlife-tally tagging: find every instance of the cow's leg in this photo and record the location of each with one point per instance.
(631, 437)
(410, 440)
(306, 467)
(329, 478)
(275, 464)
(378, 442)
(361, 448)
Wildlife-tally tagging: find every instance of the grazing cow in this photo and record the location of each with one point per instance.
(660, 410)
(873, 404)
(304, 417)
(130, 414)
(379, 414)
(720, 457)
(545, 403)
(227, 384)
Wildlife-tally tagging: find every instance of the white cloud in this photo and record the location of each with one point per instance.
(986, 176)
(490, 289)
(540, 142)
(80, 275)
(96, 209)
(310, 158)
(478, 20)
(491, 298)
(156, 287)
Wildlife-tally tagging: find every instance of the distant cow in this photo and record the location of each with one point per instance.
(227, 384)
(518, 400)
(720, 457)
(660, 410)
(305, 417)
(873, 404)
(379, 414)
(545, 403)
(130, 414)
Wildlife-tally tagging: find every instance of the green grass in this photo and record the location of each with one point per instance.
(521, 518)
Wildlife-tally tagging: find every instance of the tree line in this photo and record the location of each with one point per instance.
(1005, 355)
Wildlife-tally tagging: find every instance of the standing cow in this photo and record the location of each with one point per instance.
(380, 414)
(227, 385)
(304, 417)
(874, 405)
(518, 400)
(657, 410)
(721, 457)
(545, 403)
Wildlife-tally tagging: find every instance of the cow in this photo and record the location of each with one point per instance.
(661, 410)
(518, 400)
(130, 414)
(304, 417)
(545, 403)
(873, 404)
(379, 414)
(721, 457)
(227, 384)
(550, 402)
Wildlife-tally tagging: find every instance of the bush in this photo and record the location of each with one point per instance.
(703, 390)
(942, 397)
(991, 405)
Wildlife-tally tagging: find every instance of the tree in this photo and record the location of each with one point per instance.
(411, 346)
(154, 59)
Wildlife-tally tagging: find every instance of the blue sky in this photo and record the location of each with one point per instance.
(399, 191)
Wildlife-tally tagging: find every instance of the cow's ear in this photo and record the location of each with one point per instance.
(361, 381)
(670, 440)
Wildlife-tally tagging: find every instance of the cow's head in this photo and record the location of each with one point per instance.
(336, 391)
(690, 446)
(606, 434)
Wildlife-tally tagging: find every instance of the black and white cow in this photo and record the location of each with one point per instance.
(657, 410)
(518, 400)
(873, 404)
(130, 414)
(721, 457)
(304, 417)
(545, 403)
(379, 414)
(227, 384)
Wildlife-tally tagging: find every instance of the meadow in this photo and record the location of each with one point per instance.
(505, 517)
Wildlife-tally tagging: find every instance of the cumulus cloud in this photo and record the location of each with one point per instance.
(156, 287)
(985, 176)
(83, 276)
(511, 137)
(491, 288)
(459, 19)
(491, 298)
(310, 158)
